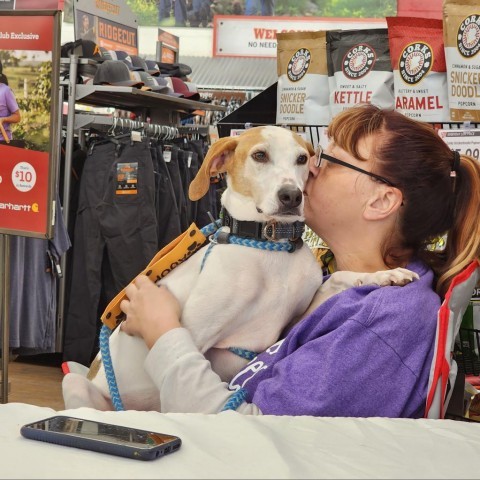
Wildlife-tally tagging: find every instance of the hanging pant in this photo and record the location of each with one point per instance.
(173, 167)
(116, 219)
(168, 219)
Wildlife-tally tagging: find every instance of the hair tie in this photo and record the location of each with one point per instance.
(455, 163)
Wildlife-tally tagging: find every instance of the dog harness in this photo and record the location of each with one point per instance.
(263, 235)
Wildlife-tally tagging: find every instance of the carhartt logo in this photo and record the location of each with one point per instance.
(96, 50)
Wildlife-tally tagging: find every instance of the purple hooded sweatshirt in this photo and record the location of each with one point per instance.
(365, 352)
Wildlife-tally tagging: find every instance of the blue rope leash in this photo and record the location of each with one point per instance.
(104, 341)
(235, 400)
(242, 352)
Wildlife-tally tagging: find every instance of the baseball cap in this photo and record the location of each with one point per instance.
(174, 69)
(82, 48)
(179, 86)
(124, 57)
(166, 83)
(139, 62)
(149, 81)
(153, 68)
(106, 53)
(115, 72)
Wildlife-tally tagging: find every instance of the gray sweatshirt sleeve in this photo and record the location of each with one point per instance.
(185, 379)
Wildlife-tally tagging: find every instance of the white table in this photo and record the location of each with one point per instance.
(230, 445)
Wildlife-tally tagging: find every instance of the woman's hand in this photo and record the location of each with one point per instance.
(151, 311)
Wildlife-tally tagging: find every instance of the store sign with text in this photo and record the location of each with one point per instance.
(235, 36)
(109, 24)
(168, 46)
(28, 149)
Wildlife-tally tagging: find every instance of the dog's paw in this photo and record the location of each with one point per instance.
(397, 276)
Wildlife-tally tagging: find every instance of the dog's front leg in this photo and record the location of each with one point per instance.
(340, 281)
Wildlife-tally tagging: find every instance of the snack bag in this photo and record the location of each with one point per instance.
(359, 69)
(419, 70)
(302, 89)
(461, 30)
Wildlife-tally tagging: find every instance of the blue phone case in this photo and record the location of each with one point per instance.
(64, 438)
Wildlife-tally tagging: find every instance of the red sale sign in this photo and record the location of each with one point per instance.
(23, 189)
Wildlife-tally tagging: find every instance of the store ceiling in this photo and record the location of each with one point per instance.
(232, 73)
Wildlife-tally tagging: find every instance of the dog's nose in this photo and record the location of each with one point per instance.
(290, 196)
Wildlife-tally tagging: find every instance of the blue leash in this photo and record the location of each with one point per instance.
(213, 230)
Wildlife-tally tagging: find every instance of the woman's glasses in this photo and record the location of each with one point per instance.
(320, 162)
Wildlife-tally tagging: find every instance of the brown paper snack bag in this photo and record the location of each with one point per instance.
(302, 90)
(461, 30)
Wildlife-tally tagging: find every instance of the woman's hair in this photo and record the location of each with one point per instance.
(441, 189)
(3, 77)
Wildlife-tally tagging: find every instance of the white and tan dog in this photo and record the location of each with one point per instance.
(243, 297)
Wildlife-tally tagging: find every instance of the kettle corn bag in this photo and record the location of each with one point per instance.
(359, 69)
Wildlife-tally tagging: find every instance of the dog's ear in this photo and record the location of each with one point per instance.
(310, 148)
(215, 162)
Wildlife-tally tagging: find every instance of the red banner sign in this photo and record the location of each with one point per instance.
(23, 189)
(26, 33)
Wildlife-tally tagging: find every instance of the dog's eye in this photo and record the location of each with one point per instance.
(302, 160)
(260, 157)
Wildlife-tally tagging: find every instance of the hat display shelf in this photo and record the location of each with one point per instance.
(164, 111)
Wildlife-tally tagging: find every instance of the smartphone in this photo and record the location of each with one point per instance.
(102, 437)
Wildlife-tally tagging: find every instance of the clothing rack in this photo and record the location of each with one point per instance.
(117, 125)
(112, 126)
(165, 110)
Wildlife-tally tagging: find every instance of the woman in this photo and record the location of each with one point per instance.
(9, 111)
(387, 187)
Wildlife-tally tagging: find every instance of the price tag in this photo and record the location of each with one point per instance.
(235, 132)
(136, 136)
(189, 159)
(463, 140)
(24, 176)
(167, 153)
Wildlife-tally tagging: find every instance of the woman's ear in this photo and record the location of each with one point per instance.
(383, 202)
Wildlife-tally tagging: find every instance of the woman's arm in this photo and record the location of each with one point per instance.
(181, 373)
(12, 118)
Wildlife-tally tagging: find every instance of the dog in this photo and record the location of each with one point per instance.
(239, 296)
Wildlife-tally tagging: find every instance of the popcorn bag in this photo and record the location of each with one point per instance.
(419, 70)
(359, 69)
(461, 30)
(302, 90)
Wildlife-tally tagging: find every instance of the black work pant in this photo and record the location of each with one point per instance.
(116, 226)
(168, 218)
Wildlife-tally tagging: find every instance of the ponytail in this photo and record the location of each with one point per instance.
(3, 79)
(463, 238)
